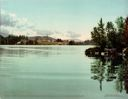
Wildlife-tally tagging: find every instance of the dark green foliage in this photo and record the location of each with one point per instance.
(120, 22)
(1, 39)
(59, 40)
(11, 39)
(71, 42)
(99, 35)
(126, 32)
(111, 36)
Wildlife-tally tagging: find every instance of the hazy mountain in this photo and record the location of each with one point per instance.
(41, 38)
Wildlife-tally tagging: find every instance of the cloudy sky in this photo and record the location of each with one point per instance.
(67, 19)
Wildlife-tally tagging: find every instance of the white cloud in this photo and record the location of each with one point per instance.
(10, 23)
(8, 19)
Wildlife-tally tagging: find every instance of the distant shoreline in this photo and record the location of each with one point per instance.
(40, 40)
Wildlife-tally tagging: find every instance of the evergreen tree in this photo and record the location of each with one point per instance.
(126, 32)
(111, 35)
(99, 35)
(120, 33)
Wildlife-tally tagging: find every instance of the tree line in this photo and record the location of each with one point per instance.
(24, 40)
(11, 39)
(111, 35)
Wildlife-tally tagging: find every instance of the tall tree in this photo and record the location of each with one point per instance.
(99, 35)
(120, 24)
(120, 32)
(111, 35)
(126, 31)
(2, 39)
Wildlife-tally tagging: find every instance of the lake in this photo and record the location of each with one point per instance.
(60, 72)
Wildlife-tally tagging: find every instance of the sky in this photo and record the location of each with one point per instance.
(66, 19)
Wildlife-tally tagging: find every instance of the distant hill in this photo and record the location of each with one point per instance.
(44, 38)
(75, 40)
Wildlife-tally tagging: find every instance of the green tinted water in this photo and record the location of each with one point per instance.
(53, 72)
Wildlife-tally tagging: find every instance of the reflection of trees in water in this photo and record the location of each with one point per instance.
(24, 51)
(125, 76)
(98, 69)
(110, 69)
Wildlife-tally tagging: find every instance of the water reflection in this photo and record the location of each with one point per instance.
(44, 72)
(26, 72)
(111, 69)
(23, 51)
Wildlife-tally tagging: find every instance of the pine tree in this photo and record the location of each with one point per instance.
(126, 32)
(99, 35)
(111, 35)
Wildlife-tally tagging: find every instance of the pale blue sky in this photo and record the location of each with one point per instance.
(78, 16)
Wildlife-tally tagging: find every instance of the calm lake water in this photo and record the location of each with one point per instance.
(60, 72)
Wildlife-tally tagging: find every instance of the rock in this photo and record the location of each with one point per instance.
(125, 52)
(92, 52)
